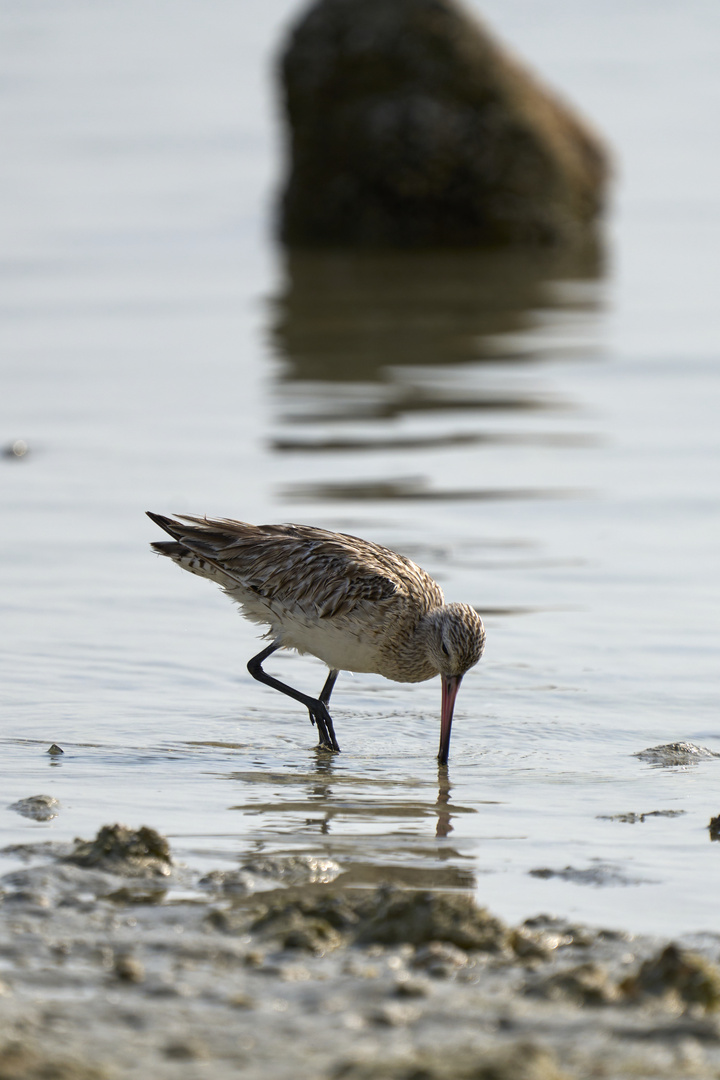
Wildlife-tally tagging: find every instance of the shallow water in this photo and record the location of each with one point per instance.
(539, 434)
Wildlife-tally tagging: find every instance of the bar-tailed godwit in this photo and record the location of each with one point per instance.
(353, 604)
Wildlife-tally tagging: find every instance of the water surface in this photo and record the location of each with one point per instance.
(539, 433)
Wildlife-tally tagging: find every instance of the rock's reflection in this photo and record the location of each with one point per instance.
(348, 317)
(415, 488)
(399, 352)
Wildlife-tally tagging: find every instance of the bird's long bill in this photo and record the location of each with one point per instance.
(450, 687)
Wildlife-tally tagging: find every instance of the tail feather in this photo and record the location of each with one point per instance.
(190, 551)
(170, 548)
(172, 527)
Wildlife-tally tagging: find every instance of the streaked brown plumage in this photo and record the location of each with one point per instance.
(353, 604)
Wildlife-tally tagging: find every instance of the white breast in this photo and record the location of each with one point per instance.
(337, 645)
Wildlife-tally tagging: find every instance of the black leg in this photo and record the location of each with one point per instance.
(328, 687)
(315, 706)
(324, 699)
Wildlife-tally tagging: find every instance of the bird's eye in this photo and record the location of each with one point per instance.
(444, 648)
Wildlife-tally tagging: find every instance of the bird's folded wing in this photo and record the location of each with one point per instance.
(322, 583)
(324, 573)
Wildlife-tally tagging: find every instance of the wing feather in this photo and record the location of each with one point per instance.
(323, 573)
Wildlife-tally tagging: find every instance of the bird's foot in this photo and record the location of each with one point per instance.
(319, 715)
(327, 749)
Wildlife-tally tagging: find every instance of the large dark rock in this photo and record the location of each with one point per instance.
(410, 126)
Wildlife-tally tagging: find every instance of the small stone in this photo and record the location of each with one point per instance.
(185, 1050)
(407, 987)
(129, 969)
(254, 958)
(529, 945)
(55, 749)
(440, 959)
(37, 807)
(395, 1014)
(241, 1001)
(16, 450)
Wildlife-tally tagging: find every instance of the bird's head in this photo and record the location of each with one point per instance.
(455, 639)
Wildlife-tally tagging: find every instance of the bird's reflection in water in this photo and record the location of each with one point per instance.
(320, 787)
(444, 816)
(377, 829)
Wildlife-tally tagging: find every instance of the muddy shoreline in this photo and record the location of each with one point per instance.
(118, 962)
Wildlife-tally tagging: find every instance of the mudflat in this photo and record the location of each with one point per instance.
(118, 962)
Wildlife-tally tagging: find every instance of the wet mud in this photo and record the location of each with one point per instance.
(677, 753)
(116, 961)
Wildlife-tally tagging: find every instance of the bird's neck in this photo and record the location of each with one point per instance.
(410, 659)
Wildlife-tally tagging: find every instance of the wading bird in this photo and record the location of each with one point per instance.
(351, 603)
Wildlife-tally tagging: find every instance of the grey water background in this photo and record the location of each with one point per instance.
(539, 433)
